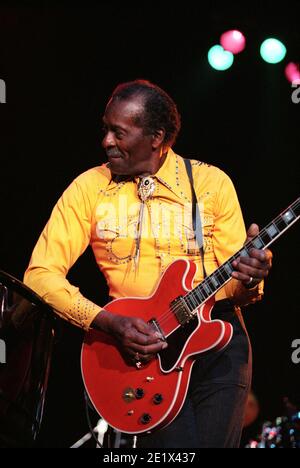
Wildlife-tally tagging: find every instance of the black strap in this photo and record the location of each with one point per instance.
(197, 225)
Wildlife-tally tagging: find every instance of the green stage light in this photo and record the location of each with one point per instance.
(219, 59)
(272, 50)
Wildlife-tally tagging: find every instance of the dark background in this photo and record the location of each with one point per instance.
(60, 65)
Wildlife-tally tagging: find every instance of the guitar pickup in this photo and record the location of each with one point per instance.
(181, 310)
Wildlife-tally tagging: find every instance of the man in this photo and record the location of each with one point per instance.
(136, 214)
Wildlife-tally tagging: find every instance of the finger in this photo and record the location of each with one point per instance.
(241, 276)
(257, 258)
(142, 358)
(252, 232)
(146, 329)
(151, 349)
(139, 339)
(250, 262)
(137, 331)
(268, 256)
(257, 273)
(261, 255)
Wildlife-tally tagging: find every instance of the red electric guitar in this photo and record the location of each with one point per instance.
(138, 398)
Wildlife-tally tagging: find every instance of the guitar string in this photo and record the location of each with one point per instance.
(164, 317)
(194, 295)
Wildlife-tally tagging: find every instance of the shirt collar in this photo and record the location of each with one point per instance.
(171, 174)
(116, 180)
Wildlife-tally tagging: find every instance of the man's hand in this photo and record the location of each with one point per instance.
(251, 270)
(138, 339)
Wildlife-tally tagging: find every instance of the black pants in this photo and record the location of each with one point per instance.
(213, 412)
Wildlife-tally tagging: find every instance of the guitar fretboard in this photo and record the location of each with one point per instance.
(212, 283)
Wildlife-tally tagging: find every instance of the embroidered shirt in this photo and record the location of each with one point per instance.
(99, 210)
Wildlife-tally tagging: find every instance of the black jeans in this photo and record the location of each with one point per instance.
(213, 412)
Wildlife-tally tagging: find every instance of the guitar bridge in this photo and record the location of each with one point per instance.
(181, 310)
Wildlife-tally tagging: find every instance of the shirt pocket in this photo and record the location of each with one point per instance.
(117, 238)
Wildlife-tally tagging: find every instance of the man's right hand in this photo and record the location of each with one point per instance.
(137, 338)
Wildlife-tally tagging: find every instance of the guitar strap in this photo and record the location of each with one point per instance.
(197, 225)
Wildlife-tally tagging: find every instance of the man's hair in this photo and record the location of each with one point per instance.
(160, 110)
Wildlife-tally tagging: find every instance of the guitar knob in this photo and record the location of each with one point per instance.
(139, 393)
(146, 418)
(158, 398)
(149, 379)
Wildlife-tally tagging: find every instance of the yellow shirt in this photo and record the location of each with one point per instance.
(97, 210)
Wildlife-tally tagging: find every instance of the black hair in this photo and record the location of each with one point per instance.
(160, 111)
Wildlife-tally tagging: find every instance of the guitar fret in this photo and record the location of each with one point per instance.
(207, 288)
(199, 295)
(228, 269)
(219, 276)
(191, 301)
(280, 224)
(288, 216)
(203, 291)
(296, 208)
(258, 243)
(272, 230)
(244, 252)
(264, 236)
(211, 284)
(215, 281)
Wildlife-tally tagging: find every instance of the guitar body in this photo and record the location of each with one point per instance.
(138, 399)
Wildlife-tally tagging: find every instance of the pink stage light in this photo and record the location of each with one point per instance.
(233, 40)
(292, 72)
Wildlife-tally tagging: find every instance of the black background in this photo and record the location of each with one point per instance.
(60, 65)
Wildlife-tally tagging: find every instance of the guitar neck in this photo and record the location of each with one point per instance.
(212, 283)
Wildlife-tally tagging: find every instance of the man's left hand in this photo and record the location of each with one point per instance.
(251, 270)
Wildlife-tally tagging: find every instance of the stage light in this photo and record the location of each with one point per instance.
(292, 72)
(233, 41)
(219, 58)
(272, 50)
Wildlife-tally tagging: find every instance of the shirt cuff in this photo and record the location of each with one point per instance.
(81, 312)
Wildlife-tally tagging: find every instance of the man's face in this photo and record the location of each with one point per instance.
(128, 149)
